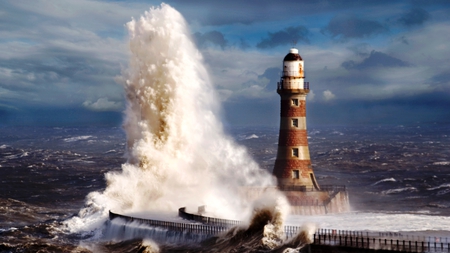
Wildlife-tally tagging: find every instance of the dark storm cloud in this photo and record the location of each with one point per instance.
(273, 75)
(344, 26)
(251, 11)
(441, 78)
(416, 16)
(287, 36)
(375, 59)
(208, 38)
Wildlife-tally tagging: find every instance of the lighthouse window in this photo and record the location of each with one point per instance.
(295, 122)
(295, 102)
(295, 152)
(295, 174)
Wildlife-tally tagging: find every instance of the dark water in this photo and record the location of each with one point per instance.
(45, 174)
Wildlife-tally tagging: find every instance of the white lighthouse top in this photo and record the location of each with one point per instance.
(293, 71)
(293, 55)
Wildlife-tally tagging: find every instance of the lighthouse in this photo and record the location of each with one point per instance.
(293, 165)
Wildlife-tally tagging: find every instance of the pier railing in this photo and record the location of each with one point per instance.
(213, 226)
(206, 220)
(381, 241)
(173, 226)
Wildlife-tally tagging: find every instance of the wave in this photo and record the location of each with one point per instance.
(110, 151)
(78, 138)
(391, 179)
(253, 136)
(264, 233)
(398, 190)
(439, 187)
(169, 98)
(442, 163)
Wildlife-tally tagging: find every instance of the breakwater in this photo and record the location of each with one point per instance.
(325, 240)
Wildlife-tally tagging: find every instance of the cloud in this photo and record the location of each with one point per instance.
(260, 86)
(345, 27)
(237, 74)
(375, 59)
(243, 44)
(273, 77)
(415, 16)
(288, 36)
(328, 95)
(103, 104)
(219, 13)
(311, 95)
(63, 56)
(441, 78)
(210, 38)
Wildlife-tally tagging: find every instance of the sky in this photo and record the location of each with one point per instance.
(370, 62)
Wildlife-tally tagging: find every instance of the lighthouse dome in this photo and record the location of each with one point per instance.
(293, 55)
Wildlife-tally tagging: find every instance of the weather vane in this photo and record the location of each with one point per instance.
(294, 42)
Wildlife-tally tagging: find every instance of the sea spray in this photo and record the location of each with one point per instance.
(148, 246)
(178, 154)
(276, 208)
(304, 237)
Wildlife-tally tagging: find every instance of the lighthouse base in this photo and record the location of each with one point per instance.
(303, 201)
(318, 202)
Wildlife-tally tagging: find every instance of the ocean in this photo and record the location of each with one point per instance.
(398, 178)
(59, 183)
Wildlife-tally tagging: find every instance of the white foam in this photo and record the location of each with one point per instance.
(398, 190)
(439, 187)
(77, 138)
(253, 136)
(178, 154)
(441, 163)
(391, 179)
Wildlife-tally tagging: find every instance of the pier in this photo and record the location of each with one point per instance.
(324, 240)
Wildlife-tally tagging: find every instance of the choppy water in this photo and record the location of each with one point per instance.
(398, 180)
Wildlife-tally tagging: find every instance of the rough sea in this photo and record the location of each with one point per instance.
(398, 178)
(58, 184)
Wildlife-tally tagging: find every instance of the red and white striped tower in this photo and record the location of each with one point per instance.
(293, 164)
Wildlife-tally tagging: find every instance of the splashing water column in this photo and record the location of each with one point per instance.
(293, 164)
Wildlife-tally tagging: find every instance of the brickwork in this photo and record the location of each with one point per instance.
(292, 137)
(287, 110)
(283, 168)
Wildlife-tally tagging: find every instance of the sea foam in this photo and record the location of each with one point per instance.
(178, 154)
